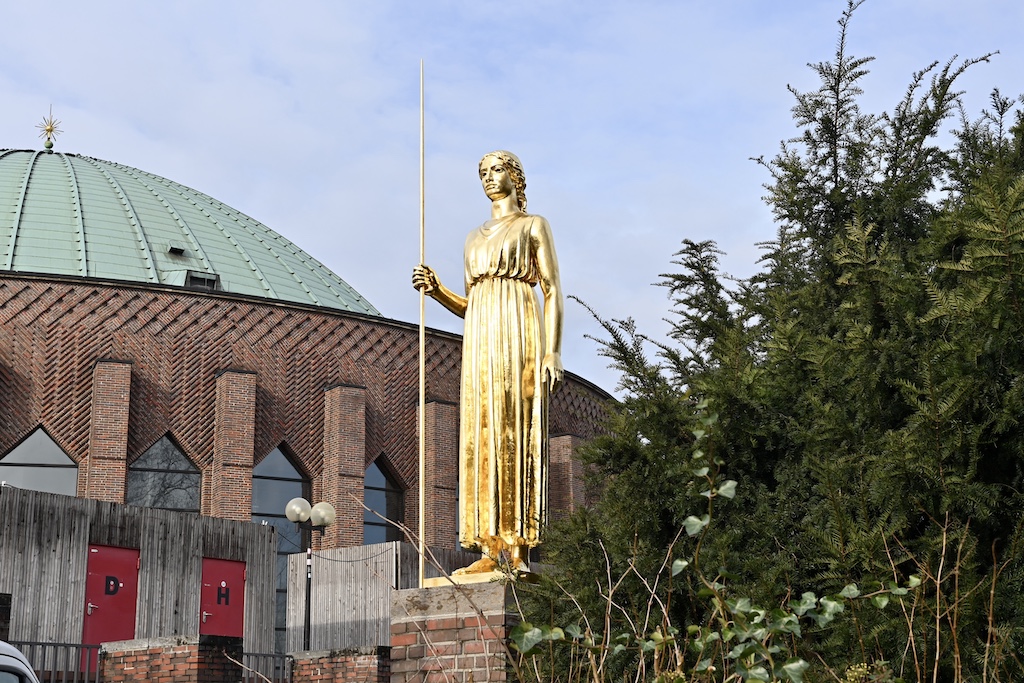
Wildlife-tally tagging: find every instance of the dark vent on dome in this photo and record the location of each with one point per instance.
(204, 281)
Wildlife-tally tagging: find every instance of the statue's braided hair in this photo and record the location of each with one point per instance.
(515, 169)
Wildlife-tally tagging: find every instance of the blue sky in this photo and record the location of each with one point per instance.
(635, 121)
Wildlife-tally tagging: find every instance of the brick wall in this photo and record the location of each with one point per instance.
(442, 456)
(365, 665)
(230, 379)
(344, 469)
(229, 482)
(180, 659)
(102, 475)
(565, 476)
(451, 634)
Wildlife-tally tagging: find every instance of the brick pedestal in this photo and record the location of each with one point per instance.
(178, 659)
(363, 664)
(451, 634)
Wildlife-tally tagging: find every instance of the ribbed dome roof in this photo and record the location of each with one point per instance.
(66, 214)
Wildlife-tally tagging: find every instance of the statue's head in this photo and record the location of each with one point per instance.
(515, 170)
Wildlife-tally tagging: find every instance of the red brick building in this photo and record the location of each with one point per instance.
(160, 348)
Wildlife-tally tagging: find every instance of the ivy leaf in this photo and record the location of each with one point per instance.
(850, 591)
(741, 605)
(694, 525)
(727, 489)
(794, 670)
(807, 602)
(829, 609)
(880, 601)
(526, 637)
(700, 471)
(914, 581)
(678, 566)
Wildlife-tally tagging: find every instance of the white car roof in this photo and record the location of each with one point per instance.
(8, 652)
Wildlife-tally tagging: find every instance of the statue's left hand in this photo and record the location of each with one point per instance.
(552, 371)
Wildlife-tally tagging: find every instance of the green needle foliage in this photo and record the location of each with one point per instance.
(845, 424)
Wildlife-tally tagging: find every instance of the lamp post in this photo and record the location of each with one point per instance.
(309, 518)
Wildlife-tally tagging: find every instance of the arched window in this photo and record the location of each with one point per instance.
(39, 464)
(383, 497)
(275, 481)
(164, 478)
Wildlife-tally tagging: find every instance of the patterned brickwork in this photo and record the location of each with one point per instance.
(53, 332)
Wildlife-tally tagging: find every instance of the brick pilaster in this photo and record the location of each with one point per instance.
(106, 464)
(565, 476)
(441, 477)
(233, 433)
(341, 481)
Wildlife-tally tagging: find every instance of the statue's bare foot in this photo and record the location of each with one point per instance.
(481, 566)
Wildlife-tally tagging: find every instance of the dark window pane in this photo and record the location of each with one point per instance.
(374, 477)
(394, 506)
(269, 496)
(280, 610)
(165, 490)
(377, 502)
(282, 572)
(48, 479)
(373, 533)
(164, 455)
(279, 640)
(385, 502)
(276, 464)
(163, 477)
(38, 449)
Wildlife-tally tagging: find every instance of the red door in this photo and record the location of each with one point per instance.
(111, 594)
(222, 599)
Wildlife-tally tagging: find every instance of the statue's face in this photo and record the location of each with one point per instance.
(495, 178)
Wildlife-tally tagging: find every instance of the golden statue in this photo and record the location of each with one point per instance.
(511, 361)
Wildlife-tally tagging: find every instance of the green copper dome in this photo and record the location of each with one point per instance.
(66, 214)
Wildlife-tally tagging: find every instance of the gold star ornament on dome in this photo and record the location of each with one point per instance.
(49, 129)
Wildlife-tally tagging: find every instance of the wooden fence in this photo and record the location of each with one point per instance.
(351, 595)
(44, 542)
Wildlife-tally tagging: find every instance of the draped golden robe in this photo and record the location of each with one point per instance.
(503, 438)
